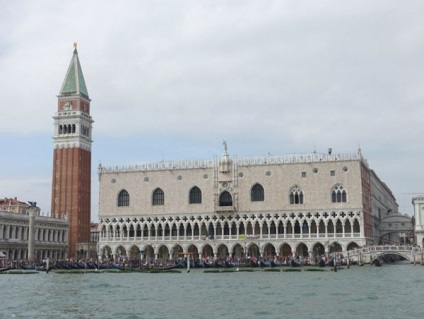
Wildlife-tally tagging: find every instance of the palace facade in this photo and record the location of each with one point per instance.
(303, 205)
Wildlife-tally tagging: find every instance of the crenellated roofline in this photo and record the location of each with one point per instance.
(245, 161)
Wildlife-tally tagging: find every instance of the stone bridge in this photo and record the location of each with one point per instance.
(367, 255)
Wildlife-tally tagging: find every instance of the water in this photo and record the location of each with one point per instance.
(391, 291)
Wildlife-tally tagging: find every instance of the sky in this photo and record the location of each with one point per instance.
(170, 80)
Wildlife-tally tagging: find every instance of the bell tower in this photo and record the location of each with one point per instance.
(71, 181)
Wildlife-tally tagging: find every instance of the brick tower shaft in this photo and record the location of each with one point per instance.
(71, 180)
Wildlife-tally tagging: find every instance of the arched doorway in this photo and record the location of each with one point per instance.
(163, 254)
(302, 250)
(269, 251)
(222, 251)
(318, 250)
(253, 251)
(134, 252)
(107, 253)
(352, 246)
(121, 251)
(149, 254)
(193, 249)
(207, 251)
(238, 251)
(335, 248)
(285, 250)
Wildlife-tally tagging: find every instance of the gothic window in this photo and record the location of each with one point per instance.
(296, 195)
(339, 194)
(73, 128)
(257, 193)
(124, 198)
(60, 129)
(158, 197)
(225, 199)
(195, 195)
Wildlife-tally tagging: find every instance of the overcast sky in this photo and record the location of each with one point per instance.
(170, 80)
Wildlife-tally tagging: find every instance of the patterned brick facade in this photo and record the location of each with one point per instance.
(275, 224)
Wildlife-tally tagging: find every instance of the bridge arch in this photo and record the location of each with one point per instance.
(381, 254)
(369, 254)
(351, 246)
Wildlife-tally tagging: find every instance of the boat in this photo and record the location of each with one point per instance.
(5, 269)
(295, 264)
(377, 262)
(168, 267)
(27, 267)
(254, 263)
(208, 264)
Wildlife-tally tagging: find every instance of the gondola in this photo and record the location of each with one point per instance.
(28, 267)
(321, 263)
(5, 269)
(377, 263)
(168, 267)
(254, 263)
(295, 264)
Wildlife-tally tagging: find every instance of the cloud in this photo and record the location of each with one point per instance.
(283, 76)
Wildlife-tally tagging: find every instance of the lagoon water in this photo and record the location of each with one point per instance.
(391, 291)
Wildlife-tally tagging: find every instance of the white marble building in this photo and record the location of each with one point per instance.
(418, 203)
(303, 204)
(51, 234)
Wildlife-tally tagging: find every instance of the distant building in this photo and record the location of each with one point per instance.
(304, 204)
(71, 181)
(51, 234)
(389, 225)
(418, 203)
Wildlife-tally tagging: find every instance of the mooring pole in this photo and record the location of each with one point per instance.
(335, 263)
(348, 263)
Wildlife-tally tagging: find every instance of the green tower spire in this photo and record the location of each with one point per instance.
(74, 81)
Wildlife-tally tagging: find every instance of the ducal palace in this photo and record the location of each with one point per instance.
(290, 205)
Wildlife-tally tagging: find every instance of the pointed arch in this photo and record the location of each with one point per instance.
(158, 197)
(296, 195)
(338, 194)
(257, 193)
(123, 198)
(195, 195)
(225, 199)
